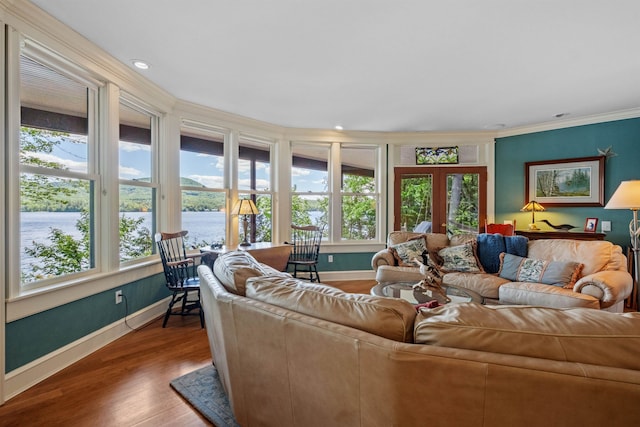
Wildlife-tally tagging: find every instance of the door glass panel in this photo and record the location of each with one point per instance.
(462, 203)
(450, 200)
(416, 192)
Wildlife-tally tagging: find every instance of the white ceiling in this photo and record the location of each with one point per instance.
(379, 65)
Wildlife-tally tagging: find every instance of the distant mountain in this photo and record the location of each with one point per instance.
(188, 182)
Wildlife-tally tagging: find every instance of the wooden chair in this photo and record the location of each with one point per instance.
(507, 229)
(305, 251)
(182, 279)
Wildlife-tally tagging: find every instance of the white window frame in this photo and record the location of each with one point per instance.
(155, 121)
(18, 45)
(208, 129)
(335, 193)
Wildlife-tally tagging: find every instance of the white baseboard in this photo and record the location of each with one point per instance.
(27, 376)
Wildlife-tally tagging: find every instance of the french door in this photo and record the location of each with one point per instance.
(450, 200)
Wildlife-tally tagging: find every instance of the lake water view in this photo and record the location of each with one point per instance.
(35, 226)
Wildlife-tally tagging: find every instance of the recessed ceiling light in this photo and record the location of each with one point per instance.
(140, 64)
(338, 127)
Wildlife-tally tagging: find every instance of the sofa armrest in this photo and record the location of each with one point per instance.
(382, 257)
(609, 286)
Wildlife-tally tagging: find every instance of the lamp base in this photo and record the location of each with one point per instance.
(533, 227)
(245, 243)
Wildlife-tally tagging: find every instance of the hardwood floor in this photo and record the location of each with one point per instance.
(126, 383)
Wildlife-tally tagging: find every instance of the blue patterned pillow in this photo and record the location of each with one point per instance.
(556, 273)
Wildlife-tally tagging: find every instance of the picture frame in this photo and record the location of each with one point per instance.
(566, 182)
(590, 225)
(437, 155)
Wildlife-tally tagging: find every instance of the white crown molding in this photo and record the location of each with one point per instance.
(190, 111)
(567, 123)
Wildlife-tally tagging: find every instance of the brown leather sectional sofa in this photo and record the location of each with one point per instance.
(291, 353)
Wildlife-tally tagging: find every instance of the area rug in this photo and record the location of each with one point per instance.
(203, 390)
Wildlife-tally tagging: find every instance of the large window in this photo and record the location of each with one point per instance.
(138, 185)
(254, 182)
(336, 186)
(202, 185)
(359, 192)
(57, 173)
(310, 184)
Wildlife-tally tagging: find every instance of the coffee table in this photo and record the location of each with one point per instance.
(405, 291)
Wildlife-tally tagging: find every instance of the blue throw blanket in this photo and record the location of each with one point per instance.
(491, 245)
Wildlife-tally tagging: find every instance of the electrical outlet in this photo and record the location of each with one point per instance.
(330, 258)
(606, 226)
(118, 296)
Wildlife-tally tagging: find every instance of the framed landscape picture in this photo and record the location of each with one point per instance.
(436, 155)
(568, 182)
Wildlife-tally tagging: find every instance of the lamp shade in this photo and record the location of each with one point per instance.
(626, 196)
(244, 207)
(532, 206)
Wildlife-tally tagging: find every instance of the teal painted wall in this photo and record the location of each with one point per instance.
(345, 261)
(581, 141)
(32, 337)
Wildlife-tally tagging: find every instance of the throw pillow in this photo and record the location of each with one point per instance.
(490, 246)
(461, 258)
(556, 273)
(405, 252)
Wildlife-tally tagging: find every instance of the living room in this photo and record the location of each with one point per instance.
(37, 337)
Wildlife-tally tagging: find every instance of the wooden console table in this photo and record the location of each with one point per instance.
(274, 255)
(574, 235)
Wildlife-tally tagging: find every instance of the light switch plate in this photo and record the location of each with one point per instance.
(606, 226)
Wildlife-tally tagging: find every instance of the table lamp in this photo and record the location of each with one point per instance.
(627, 196)
(533, 207)
(245, 207)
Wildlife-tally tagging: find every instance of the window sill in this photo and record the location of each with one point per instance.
(37, 300)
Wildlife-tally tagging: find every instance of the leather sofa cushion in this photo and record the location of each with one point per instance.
(486, 285)
(234, 268)
(386, 317)
(595, 255)
(545, 295)
(578, 335)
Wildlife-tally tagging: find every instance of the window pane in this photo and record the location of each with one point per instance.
(55, 226)
(463, 203)
(309, 172)
(358, 169)
(137, 223)
(263, 221)
(310, 210)
(201, 160)
(416, 201)
(134, 148)
(204, 217)
(53, 116)
(254, 166)
(358, 217)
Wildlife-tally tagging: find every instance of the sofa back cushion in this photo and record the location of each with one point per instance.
(580, 335)
(387, 317)
(234, 268)
(596, 255)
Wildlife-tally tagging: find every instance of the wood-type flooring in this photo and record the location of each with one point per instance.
(126, 383)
